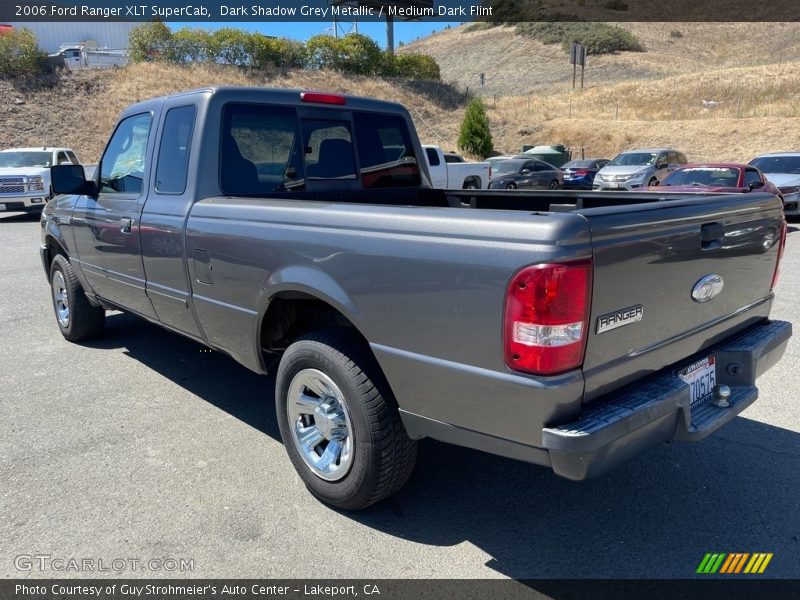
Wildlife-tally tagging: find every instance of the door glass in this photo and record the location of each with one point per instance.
(173, 152)
(433, 158)
(385, 153)
(122, 166)
(751, 177)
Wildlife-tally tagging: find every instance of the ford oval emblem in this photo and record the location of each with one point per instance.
(708, 288)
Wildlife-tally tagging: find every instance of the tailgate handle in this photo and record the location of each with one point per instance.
(711, 235)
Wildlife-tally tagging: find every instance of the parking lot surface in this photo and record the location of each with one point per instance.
(143, 445)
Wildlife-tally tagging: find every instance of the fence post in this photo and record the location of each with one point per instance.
(738, 107)
(616, 112)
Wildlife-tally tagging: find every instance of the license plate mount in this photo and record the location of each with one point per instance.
(701, 377)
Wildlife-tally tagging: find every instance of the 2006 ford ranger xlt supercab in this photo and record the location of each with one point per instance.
(573, 330)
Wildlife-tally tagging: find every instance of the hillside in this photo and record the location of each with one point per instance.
(517, 65)
(759, 109)
(80, 111)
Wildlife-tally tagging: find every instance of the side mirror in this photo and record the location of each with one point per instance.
(662, 166)
(755, 184)
(71, 179)
(525, 172)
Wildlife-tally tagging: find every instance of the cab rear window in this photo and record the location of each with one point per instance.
(386, 156)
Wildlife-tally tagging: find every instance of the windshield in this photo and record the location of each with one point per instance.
(506, 167)
(25, 159)
(778, 164)
(633, 159)
(713, 176)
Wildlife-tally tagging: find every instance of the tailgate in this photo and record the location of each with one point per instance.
(648, 260)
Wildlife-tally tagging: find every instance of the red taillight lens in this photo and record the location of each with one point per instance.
(581, 172)
(321, 98)
(781, 248)
(547, 317)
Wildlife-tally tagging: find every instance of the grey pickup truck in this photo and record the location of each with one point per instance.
(299, 230)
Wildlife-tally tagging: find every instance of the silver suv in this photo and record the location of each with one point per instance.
(634, 169)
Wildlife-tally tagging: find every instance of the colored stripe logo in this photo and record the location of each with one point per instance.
(734, 562)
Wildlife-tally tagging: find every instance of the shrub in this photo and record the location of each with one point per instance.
(675, 34)
(475, 136)
(190, 45)
(615, 5)
(359, 54)
(599, 38)
(275, 52)
(19, 54)
(322, 52)
(230, 46)
(415, 66)
(150, 41)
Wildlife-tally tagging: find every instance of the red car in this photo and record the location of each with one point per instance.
(717, 177)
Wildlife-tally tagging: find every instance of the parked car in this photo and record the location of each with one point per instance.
(283, 228)
(635, 169)
(525, 173)
(580, 174)
(25, 176)
(783, 169)
(718, 177)
(447, 175)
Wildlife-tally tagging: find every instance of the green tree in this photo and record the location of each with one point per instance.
(150, 41)
(190, 45)
(230, 46)
(475, 136)
(359, 54)
(19, 54)
(275, 52)
(323, 52)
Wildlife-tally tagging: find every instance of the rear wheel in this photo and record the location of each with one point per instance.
(554, 185)
(472, 184)
(339, 422)
(76, 317)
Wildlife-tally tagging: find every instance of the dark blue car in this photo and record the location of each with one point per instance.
(579, 174)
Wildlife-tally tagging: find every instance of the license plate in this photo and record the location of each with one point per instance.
(613, 185)
(701, 378)
(2, 206)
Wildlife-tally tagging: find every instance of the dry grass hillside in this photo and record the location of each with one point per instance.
(758, 110)
(517, 65)
(80, 111)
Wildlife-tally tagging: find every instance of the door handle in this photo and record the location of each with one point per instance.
(125, 224)
(711, 235)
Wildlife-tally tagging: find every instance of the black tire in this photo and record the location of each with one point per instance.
(511, 186)
(83, 320)
(652, 182)
(383, 455)
(554, 184)
(472, 184)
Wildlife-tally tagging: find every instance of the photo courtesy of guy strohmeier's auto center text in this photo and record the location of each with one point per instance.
(399, 299)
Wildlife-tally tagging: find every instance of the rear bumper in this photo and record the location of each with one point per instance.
(657, 410)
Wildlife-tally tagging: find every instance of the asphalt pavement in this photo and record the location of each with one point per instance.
(142, 446)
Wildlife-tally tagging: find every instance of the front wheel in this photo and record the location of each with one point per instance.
(554, 185)
(653, 181)
(339, 421)
(511, 186)
(76, 317)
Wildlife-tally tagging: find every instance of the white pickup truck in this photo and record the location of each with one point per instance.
(25, 176)
(447, 175)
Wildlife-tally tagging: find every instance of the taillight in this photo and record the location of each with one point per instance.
(546, 317)
(581, 172)
(490, 170)
(781, 248)
(322, 98)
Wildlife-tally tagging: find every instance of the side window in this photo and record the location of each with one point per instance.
(385, 152)
(537, 166)
(433, 157)
(173, 151)
(328, 149)
(682, 158)
(260, 151)
(73, 158)
(751, 176)
(61, 158)
(123, 163)
(672, 158)
(662, 158)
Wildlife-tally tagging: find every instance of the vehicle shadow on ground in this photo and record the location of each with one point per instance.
(656, 516)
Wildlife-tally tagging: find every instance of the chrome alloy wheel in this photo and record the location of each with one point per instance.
(320, 424)
(60, 298)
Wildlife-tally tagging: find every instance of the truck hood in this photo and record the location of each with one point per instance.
(25, 172)
(783, 179)
(624, 170)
